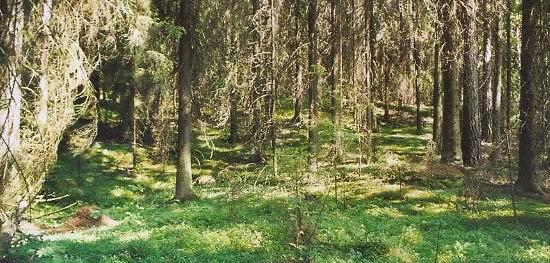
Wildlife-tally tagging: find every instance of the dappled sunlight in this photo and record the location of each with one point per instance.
(393, 209)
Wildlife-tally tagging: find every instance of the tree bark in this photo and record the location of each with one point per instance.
(437, 99)
(416, 54)
(257, 88)
(299, 90)
(368, 9)
(486, 92)
(450, 148)
(184, 182)
(527, 178)
(471, 141)
(313, 91)
(508, 64)
(497, 81)
(336, 74)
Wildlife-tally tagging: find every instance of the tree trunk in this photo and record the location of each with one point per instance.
(437, 97)
(497, 81)
(471, 141)
(486, 92)
(273, 86)
(336, 74)
(508, 64)
(257, 88)
(368, 9)
(184, 182)
(416, 54)
(527, 178)
(313, 91)
(299, 66)
(450, 148)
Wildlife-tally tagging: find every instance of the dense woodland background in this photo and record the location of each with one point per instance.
(298, 130)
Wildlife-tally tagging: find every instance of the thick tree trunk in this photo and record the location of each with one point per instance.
(450, 148)
(184, 182)
(368, 9)
(471, 141)
(313, 91)
(527, 179)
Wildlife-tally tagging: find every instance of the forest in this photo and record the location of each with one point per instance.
(274, 131)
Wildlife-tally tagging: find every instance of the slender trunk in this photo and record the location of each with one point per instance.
(437, 109)
(450, 148)
(298, 57)
(527, 179)
(486, 91)
(471, 141)
(508, 63)
(336, 74)
(184, 183)
(273, 87)
(416, 55)
(257, 88)
(132, 119)
(313, 92)
(497, 81)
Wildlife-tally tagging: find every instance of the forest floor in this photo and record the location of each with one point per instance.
(401, 207)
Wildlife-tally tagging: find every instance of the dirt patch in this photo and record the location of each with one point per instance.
(85, 217)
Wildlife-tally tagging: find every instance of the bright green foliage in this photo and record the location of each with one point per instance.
(249, 216)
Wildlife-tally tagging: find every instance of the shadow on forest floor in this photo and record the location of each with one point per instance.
(399, 208)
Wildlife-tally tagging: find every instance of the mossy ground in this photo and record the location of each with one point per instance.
(386, 211)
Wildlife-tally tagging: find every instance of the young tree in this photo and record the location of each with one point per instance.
(471, 141)
(450, 139)
(527, 179)
(184, 84)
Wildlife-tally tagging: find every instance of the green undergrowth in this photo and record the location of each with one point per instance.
(391, 210)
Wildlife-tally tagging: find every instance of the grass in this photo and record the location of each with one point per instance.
(391, 210)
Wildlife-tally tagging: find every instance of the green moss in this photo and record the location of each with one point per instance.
(251, 215)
